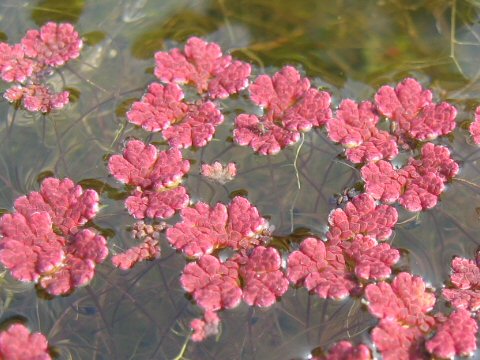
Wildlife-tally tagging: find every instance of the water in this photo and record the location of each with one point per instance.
(349, 48)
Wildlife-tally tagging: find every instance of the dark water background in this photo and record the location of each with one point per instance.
(348, 47)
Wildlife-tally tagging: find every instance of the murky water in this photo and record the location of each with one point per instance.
(347, 47)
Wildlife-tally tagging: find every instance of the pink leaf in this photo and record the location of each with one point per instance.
(378, 145)
(54, 45)
(160, 107)
(201, 230)
(29, 247)
(196, 128)
(37, 97)
(14, 66)
(344, 350)
(148, 250)
(372, 260)
(203, 65)
(456, 336)
(206, 327)
(465, 279)
(18, 343)
(397, 342)
(219, 173)
(262, 276)
(362, 216)
(68, 205)
(143, 165)
(404, 300)
(290, 106)
(161, 204)
(413, 110)
(320, 268)
(214, 285)
(435, 159)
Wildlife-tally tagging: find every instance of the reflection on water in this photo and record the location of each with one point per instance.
(143, 313)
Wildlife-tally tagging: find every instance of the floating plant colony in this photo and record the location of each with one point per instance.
(46, 240)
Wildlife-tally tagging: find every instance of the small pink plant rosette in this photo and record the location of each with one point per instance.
(203, 65)
(156, 175)
(290, 106)
(18, 343)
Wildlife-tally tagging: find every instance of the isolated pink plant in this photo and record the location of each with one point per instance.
(219, 173)
(203, 228)
(475, 127)
(290, 106)
(354, 127)
(203, 65)
(321, 268)
(18, 343)
(464, 292)
(43, 240)
(156, 175)
(363, 216)
(413, 112)
(203, 328)
(29, 62)
(182, 124)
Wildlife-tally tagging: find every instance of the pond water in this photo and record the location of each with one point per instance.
(346, 47)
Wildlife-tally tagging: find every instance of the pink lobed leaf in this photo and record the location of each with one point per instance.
(213, 285)
(161, 204)
(404, 300)
(262, 276)
(320, 268)
(456, 336)
(362, 216)
(14, 66)
(372, 260)
(37, 97)
(465, 290)
(203, 328)
(67, 204)
(143, 165)
(344, 350)
(218, 172)
(203, 65)
(413, 110)
(148, 250)
(18, 343)
(54, 45)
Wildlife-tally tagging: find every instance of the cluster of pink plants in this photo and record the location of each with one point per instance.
(18, 343)
(29, 63)
(408, 329)
(44, 240)
(228, 247)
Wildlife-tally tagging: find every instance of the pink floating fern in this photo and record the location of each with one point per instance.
(18, 343)
(414, 112)
(219, 173)
(203, 229)
(354, 126)
(362, 216)
(320, 268)
(162, 109)
(465, 290)
(157, 175)
(14, 65)
(344, 350)
(33, 251)
(213, 285)
(37, 97)
(203, 65)
(203, 328)
(291, 106)
(263, 278)
(456, 336)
